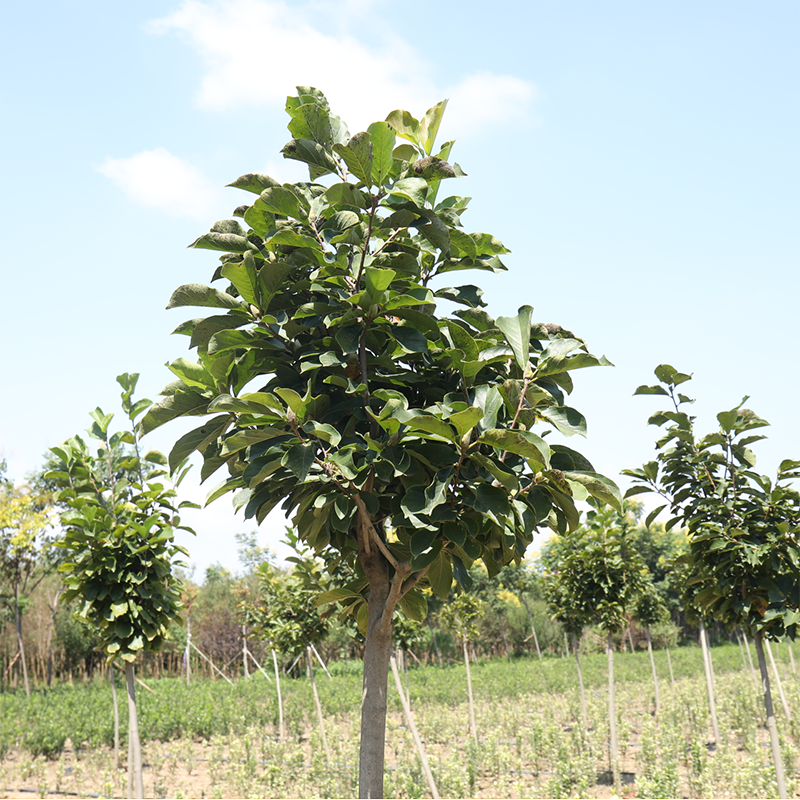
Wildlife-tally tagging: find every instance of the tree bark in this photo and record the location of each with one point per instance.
(320, 716)
(134, 744)
(473, 728)
(188, 651)
(244, 653)
(772, 726)
(533, 628)
(612, 715)
(435, 643)
(669, 662)
(281, 728)
(653, 667)
(584, 713)
(376, 676)
(20, 643)
(712, 705)
(116, 714)
(426, 769)
(791, 657)
(786, 711)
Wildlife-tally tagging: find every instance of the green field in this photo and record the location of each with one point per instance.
(216, 740)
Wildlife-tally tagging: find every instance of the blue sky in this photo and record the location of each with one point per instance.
(640, 159)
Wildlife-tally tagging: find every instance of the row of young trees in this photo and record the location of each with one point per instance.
(409, 446)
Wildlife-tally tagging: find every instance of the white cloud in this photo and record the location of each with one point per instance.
(158, 179)
(257, 51)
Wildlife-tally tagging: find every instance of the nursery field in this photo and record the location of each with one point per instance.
(216, 740)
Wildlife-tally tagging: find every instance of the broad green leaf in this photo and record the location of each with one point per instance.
(195, 294)
(299, 458)
(357, 155)
(180, 404)
(225, 242)
(566, 420)
(320, 161)
(523, 443)
(517, 331)
(414, 605)
(197, 439)
(429, 125)
(598, 486)
(191, 373)
(466, 420)
(413, 189)
(346, 194)
(253, 182)
(404, 124)
(241, 439)
(382, 137)
(283, 201)
(410, 339)
(440, 574)
(377, 281)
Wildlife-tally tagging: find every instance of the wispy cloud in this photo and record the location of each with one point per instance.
(160, 180)
(256, 51)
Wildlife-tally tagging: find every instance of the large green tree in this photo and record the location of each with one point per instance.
(403, 442)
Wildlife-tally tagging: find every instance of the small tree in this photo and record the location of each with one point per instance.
(744, 528)
(119, 544)
(651, 610)
(400, 440)
(23, 554)
(601, 575)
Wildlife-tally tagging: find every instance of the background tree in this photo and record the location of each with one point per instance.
(600, 576)
(24, 551)
(401, 441)
(744, 529)
(118, 537)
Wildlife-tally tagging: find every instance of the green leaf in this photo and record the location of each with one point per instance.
(413, 189)
(320, 161)
(440, 574)
(283, 201)
(466, 420)
(523, 443)
(357, 155)
(414, 605)
(598, 486)
(410, 339)
(299, 458)
(195, 294)
(652, 515)
(382, 137)
(566, 420)
(378, 280)
(517, 331)
(404, 124)
(224, 242)
(253, 182)
(429, 125)
(180, 404)
(651, 390)
(197, 439)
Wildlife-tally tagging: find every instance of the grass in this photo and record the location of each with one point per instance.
(216, 740)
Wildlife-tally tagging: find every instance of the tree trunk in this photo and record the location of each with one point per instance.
(533, 628)
(653, 667)
(473, 728)
(584, 713)
(435, 643)
(786, 712)
(188, 652)
(376, 677)
(505, 638)
(709, 683)
(320, 716)
(134, 745)
(791, 656)
(426, 769)
(116, 713)
(20, 644)
(612, 715)
(772, 726)
(244, 653)
(669, 662)
(281, 728)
